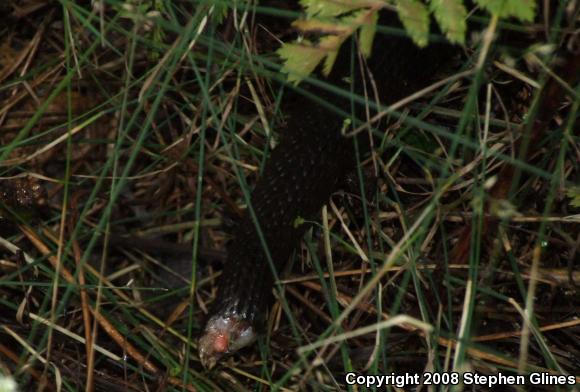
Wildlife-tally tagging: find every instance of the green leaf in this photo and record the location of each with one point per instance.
(451, 16)
(326, 26)
(329, 8)
(574, 194)
(332, 44)
(300, 59)
(524, 10)
(367, 35)
(415, 18)
(298, 221)
(341, 21)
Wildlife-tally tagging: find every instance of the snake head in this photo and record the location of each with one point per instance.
(224, 335)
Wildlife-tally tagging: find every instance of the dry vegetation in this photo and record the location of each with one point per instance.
(121, 130)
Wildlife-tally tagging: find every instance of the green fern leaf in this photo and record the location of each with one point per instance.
(450, 15)
(300, 59)
(415, 18)
(328, 8)
(367, 34)
(331, 44)
(574, 194)
(524, 10)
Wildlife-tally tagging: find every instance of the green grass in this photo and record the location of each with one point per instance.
(165, 118)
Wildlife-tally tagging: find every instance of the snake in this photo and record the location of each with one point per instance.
(307, 167)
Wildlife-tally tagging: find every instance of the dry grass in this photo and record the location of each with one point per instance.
(121, 131)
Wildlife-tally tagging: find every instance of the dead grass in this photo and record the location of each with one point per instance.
(120, 132)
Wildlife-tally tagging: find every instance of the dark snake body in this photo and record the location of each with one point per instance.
(306, 168)
(299, 177)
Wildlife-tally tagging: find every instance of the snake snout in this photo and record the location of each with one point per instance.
(224, 335)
